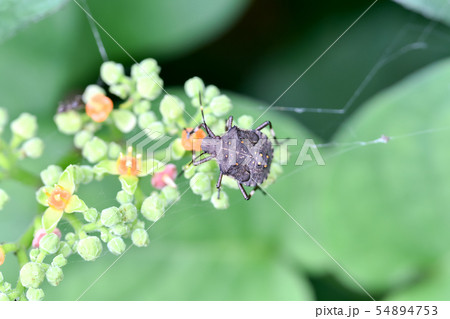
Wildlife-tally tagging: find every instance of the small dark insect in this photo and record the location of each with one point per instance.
(244, 155)
(73, 102)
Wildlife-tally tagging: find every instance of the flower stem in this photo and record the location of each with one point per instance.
(74, 222)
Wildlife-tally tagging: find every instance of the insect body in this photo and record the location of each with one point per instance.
(244, 155)
(73, 102)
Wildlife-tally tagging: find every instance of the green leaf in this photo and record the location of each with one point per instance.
(164, 28)
(434, 286)
(129, 183)
(432, 9)
(51, 218)
(17, 14)
(380, 209)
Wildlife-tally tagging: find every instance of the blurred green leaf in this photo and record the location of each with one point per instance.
(434, 284)
(431, 9)
(17, 14)
(65, 57)
(161, 28)
(381, 210)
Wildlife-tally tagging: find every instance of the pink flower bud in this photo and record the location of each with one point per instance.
(41, 233)
(166, 177)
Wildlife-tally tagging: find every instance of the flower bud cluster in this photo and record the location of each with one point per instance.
(138, 104)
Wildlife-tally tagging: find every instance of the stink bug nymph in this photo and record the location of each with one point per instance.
(245, 155)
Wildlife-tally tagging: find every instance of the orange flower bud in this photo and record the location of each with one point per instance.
(194, 142)
(99, 107)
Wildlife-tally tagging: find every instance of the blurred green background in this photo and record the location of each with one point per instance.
(382, 211)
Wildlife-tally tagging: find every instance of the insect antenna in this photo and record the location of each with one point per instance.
(208, 130)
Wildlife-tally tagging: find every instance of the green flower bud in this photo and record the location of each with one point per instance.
(121, 90)
(85, 174)
(229, 182)
(92, 127)
(51, 174)
(64, 249)
(211, 120)
(155, 130)
(32, 274)
(141, 107)
(114, 150)
(218, 128)
(3, 198)
(140, 224)
(222, 202)
(170, 195)
(25, 126)
(95, 150)
(70, 238)
(34, 253)
(208, 167)
(81, 138)
(54, 275)
(116, 246)
(194, 86)
(6, 287)
(110, 216)
(89, 248)
(140, 237)
(3, 118)
(34, 294)
(211, 92)
(190, 171)
(153, 207)
(177, 149)
(145, 119)
(171, 107)
(245, 122)
(3, 297)
(111, 72)
(105, 236)
(201, 185)
(145, 68)
(120, 230)
(33, 148)
(90, 91)
(49, 243)
(59, 261)
(91, 215)
(149, 87)
(123, 197)
(275, 171)
(124, 120)
(129, 212)
(68, 122)
(220, 105)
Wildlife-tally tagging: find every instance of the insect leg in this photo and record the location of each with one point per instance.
(244, 193)
(229, 123)
(203, 160)
(219, 184)
(268, 123)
